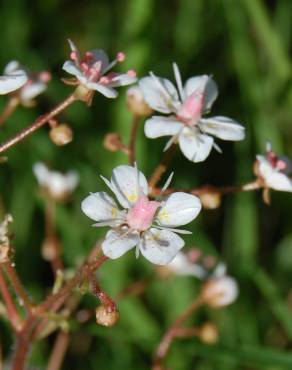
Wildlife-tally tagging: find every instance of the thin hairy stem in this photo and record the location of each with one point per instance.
(12, 312)
(17, 286)
(39, 122)
(170, 334)
(210, 189)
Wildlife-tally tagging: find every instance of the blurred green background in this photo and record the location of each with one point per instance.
(246, 46)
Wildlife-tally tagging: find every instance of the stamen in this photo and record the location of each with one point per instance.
(131, 73)
(104, 80)
(120, 57)
(45, 76)
(281, 165)
(74, 55)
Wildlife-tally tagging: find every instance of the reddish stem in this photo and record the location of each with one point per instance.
(210, 189)
(17, 285)
(170, 334)
(59, 351)
(12, 312)
(39, 122)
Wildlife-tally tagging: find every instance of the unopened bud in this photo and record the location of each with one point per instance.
(61, 135)
(219, 292)
(210, 200)
(208, 333)
(105, 316)
(5, 239)
(113, 142)
(50, 248)
(136, 103)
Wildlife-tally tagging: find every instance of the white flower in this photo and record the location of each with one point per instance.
(182, 265)
(13, 78)
(148, 225)
(58, 185)
(273, 171)
(92, 71)
(220, 291)
(185, 107)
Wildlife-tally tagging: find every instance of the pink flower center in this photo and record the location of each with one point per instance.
(140, 216)
(94, 70)
(192, 108)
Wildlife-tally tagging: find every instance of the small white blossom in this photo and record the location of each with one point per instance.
(185, 107)
(274, 171)
(182, 265)
(220, 291)
(58, 185)
(14, 77)
(148, 225)
(92, 71)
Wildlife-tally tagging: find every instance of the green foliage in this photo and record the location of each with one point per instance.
(245, 44)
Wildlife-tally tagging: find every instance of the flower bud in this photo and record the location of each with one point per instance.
(105, 316)
(61, 135)
(4, 238)
(136, 103)
(208, 333)
(112, 142)
(210, 200)
(220, 292)
(50, 248)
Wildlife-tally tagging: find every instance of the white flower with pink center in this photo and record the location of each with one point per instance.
(148, 225)
(14, 77)
(274, 171)
(35, 84)
(93, 71)
(185, 107)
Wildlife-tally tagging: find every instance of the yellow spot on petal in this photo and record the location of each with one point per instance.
(163, 216)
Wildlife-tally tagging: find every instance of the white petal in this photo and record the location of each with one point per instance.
(100, 55)
(159, 93)
(127, 183)
(206, 85)
(108, 92)
(196, 147)
(115, 244)
(273, 178)
(30, 91)
(100, 207)
(181, 265)
(160, 246)
(179, 209)
(70, 67)
(122, 80)
(72, 45)
(223, 127)
(12, 82)
(42, 173)
(72, 179)
(12, 67)
(158, 126)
